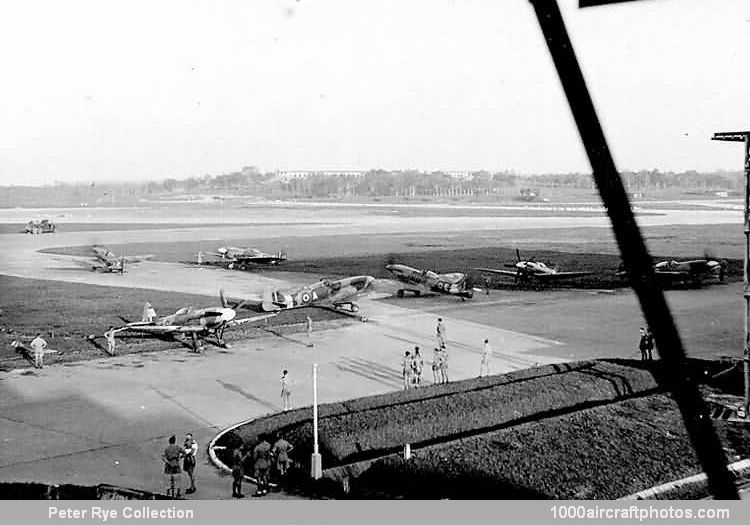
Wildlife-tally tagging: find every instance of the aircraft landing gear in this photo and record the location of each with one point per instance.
(220, 338)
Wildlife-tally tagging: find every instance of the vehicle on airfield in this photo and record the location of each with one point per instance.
(430, 282)
(531, 272)
(195, 322)
(106, 261)
(695, 271)
(240, 257)
(43, 226)
(336, 295)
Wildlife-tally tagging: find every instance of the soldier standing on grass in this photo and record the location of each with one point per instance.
(109, 335)
(38, 345)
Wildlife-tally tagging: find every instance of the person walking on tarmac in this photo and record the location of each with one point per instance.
(286, 392)
(484, 366)
(440, 332)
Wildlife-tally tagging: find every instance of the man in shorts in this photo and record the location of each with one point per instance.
(189, 453)
(484, 366)
(286, 393)
(406, 370)
(38, 345)
(171, 458)
(262, 458)
(280, 452)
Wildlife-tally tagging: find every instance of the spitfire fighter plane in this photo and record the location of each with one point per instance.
(106, 261)
(195, 322)
(426, 281)
(531, 272)
(241, 257)
(337, 295)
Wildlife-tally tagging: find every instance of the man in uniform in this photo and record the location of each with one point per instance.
(443, 366)
(280, 451)
(417, 364)
(286, 393)
(486, 354)
(171, 458)
(189, 453)
(650, 344)
(109, 335)
(643, 344)
(38, 345)
(406, 370)
(440, 332)
(238, 472)
(436, 360)
(262, 457)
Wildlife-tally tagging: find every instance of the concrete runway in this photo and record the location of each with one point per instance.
(106, 420)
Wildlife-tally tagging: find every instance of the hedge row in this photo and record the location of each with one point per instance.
(599, 453)
(292, 423)
(374, 426)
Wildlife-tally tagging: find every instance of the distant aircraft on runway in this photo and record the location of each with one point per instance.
(194, 322)
(337, 295)
(106, 261)
(531, 272)
(695, 271)
(427, 281)
(240, 257)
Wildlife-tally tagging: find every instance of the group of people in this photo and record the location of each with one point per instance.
(646, 344)
(173, 454)
(265, 458)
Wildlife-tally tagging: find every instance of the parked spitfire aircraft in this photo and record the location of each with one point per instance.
(106, 261)
(337, 295)
(427, 281)
(694, 271)
(533, 272)
(243, 256)
(194, 322)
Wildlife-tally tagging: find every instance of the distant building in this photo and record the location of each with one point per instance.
(460, 175)
(289, 175)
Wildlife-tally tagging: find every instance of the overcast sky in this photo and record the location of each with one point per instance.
(115, 89)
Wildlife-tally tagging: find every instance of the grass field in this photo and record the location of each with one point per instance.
(66, 313)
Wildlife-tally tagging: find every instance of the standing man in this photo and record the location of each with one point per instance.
(38, 345)
(444, 366)
(189, 453)
(440, 332)
(417, 364)
(486, 354)
(436, 359)
(280, 451)
(109, 335)
(171, 458)
(262, 456)
(406, 369)
(309, 332)
(238, 472)
(643, 344)
(650, 344)
(286, 393)
(149, 314)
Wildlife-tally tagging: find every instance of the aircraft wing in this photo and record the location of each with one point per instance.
(512, 273)
(137, 258)
(254, 319)
(162, 329)
(560, 275)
